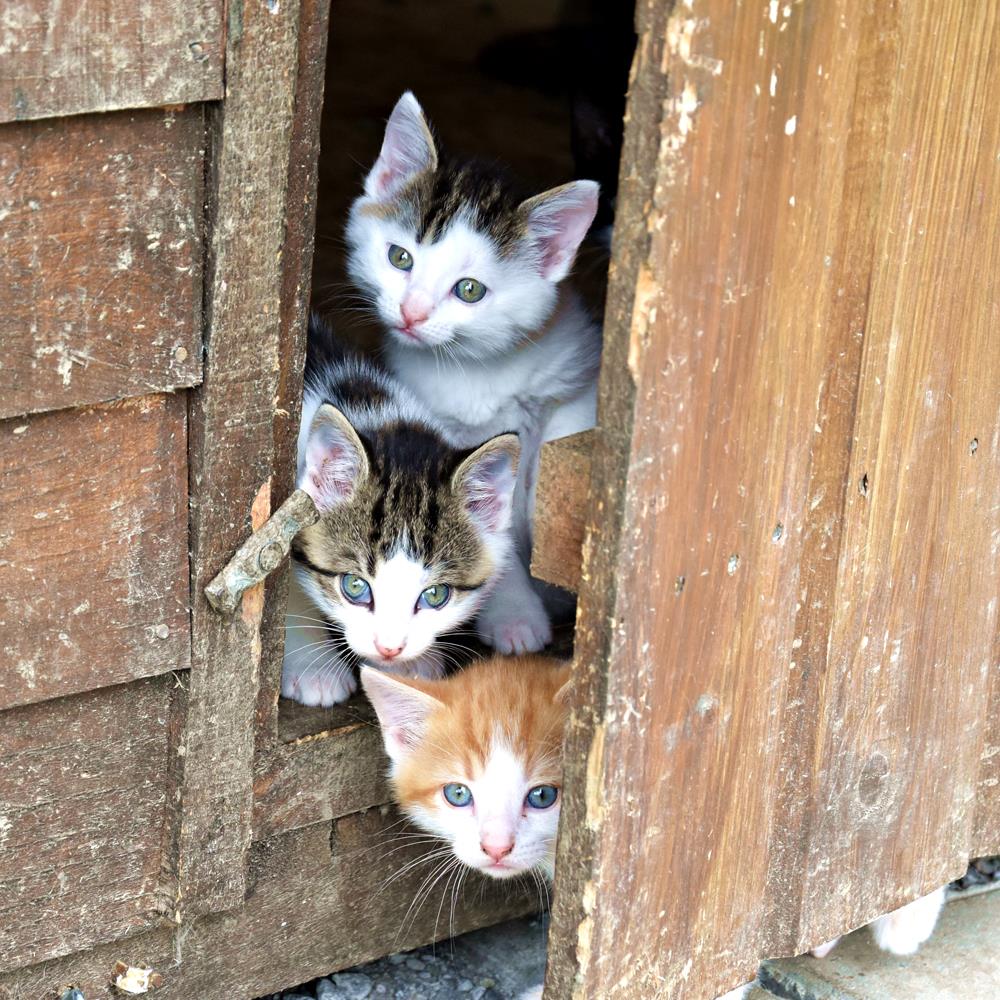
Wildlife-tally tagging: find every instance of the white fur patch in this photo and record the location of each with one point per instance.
(498, 812)
(903, 931)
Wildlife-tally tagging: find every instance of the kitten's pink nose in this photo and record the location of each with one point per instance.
(415, 309)
(389, 652)
(497, 847)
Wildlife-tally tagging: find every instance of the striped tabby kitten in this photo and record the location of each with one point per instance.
(465, 274)
(413, 533)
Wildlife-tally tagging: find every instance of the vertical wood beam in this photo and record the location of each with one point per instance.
(784, 502)
(232, 417)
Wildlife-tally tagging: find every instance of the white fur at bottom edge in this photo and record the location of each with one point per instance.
(903, 931)
(739, 993)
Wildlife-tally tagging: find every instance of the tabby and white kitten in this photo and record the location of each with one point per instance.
(412, 534)
(465, 275)
(476, 758)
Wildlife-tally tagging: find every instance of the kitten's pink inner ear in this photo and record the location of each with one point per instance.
(486, 479)
(565, 692)
(335, 459)
(402, 710)
(558, 220)
(407, 150)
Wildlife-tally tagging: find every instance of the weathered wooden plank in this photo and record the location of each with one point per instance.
(100, 55)
(81, 818)
(561, 502)
(231, 444)
(93, 549)
(769, 281)
(987, 830)
(100, 258)
(915, 610)
(331, 765)
(318, 903)
(300, 232)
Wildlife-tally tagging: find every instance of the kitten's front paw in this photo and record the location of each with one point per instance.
(324, 687)
(532, 993)
(515, 623)
(904, 930)
(824, 949)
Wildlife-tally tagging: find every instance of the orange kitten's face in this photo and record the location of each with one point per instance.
(477, 758)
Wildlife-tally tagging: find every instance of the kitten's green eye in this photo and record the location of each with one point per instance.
(435, 597)
(401, 258)
(469, 290)
(542, 797)
(355, 589)
(457, 795)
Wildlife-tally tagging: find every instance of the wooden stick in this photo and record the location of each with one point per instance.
(261, 553)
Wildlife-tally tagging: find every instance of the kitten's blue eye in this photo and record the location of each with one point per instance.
(469, 290)
(435, 597)
(355, 589)
(457, 795)
(401, 258)
(542, 797)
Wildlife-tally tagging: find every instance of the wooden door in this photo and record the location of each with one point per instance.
(786, 721)
(156, 220)
(145, 312)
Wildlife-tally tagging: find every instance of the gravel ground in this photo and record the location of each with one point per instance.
(495, 963)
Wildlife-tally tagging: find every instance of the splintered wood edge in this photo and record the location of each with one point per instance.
(561, 509)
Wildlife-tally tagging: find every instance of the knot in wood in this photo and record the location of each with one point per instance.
(270, 556)
(871, 782)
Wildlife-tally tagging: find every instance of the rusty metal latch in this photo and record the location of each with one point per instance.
(261, 553)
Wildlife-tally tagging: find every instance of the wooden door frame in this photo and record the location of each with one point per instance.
(704, 675)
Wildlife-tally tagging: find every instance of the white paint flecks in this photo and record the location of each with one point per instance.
(791, 125)
(687, 104)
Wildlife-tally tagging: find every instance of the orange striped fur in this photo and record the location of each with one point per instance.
(511, 709)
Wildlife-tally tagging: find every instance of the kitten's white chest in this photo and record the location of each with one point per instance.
(476, 398)
(472, 405)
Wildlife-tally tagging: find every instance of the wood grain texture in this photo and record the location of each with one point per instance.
(231, 444)
(299, 241)
(93, 548)
(100, 258)
(318, 902)
(916, 600)
(331, 764)
(81, 816)
(100, 55)
(771, 652)
(561, 502)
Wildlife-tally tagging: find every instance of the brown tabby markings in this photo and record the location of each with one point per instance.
(475, 191)
(406, 502)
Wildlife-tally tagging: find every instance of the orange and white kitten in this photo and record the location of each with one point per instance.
(476, 758)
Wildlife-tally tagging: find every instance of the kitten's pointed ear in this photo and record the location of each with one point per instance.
(485, 482)
(565, 690)
(335, 460)
(407, 150)
(557, 222)
(402, 710)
